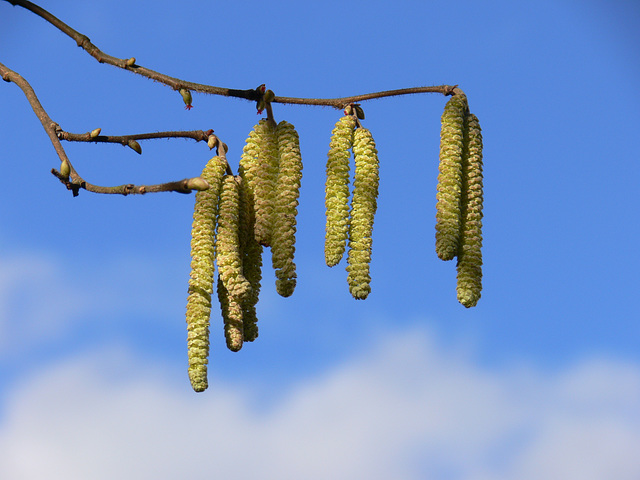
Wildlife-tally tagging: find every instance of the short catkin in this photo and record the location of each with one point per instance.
(337, 190)
(469, 254)
(286, 208)
(202, 270)
(363, 209)
(260, 163)
(229, 262)
(449, 192)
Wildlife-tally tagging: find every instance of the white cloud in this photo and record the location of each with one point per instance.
(405, 409)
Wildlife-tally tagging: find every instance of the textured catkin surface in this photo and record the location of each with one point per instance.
(251, 260)
(286, 208)
(229, 261)
(202, 270)
(449, 192)
(470, 254)
(363, 209)
(337, 190)
(260, 163)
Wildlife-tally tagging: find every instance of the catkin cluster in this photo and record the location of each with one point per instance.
(351, 226)
(459, 197)
(235, 217)
(271, 166)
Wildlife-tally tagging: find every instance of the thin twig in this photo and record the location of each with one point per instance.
(180, 186)
(74, 181)
(176, 83)
(197, 135)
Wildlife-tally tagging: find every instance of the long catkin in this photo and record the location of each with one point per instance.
(260, 163)
(449, 192)
(337, 190)
(286, 208)
(469, 267)
(251, 260)
(363, 208)
(232, 284)
(202, 270)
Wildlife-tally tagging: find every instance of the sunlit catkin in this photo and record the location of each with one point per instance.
(229, 261)
(469, 253)
(286, 208)
(202, 269)
(363, 208)
(251, 260)
(337, 190)
(448, 207)
(260, 163)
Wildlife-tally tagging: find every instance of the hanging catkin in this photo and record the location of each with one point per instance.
(363, 209)
(260, 163)
(286, 208)
(233, 287)
(450, 178)
(251, 259)
(337, 190)
(469, 254)
(202, 270)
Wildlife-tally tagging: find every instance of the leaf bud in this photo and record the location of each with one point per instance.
(135, 146)
(130, 62)
(359, 111)
(186, 96)
(65, 169)
(95, 133)
(197, 183)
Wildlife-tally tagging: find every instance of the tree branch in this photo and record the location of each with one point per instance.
(73, 180)
(177, 84)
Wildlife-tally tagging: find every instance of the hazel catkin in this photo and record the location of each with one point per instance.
(251, 259)
(469, 267)
(449, 191)
(202, 270)
(363, 208)
(260, 163)
(337, 190)
(229, 262)
(285, 208)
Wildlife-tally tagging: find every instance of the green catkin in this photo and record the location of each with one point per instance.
(337, 190)
(448, 207)
(202, 270)
(260, 162)
(285, 208)
(251, 260)
(469, 254)
(231, 310)
(363, 209)
(229, 261)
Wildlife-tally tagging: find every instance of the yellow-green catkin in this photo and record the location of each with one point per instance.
(229, 262)
(337, 190)
(448, 206)
(260, 162)
(286, 208)
(251, 260)
(202, 270)
(469, 253)
(363, 208)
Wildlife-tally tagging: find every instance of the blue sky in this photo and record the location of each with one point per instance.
(540, 380)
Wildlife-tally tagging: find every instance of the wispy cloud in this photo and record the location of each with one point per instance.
(405, 409)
